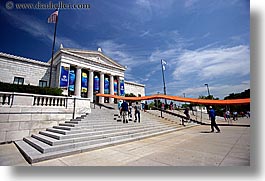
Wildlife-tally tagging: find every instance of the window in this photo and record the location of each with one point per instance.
(42, 83)
(18, 80)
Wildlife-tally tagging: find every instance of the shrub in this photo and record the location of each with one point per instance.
(6, 87)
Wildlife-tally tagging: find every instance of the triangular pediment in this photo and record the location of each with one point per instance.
(95, 56)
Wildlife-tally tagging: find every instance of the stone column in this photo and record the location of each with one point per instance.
(78, 82)
(90, 85)
(111, 100)
(101, 87)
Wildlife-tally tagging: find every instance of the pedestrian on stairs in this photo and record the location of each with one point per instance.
(124, 110)
(136, 113)
(119, 106)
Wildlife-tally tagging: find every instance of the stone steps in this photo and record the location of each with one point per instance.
(32, 155)
(89, 132)
(85, 141)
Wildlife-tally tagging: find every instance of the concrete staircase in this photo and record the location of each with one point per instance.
(92, 131)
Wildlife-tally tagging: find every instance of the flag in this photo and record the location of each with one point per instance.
(53, 17)
(163, 62)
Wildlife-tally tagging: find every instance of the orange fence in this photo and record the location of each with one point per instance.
(180, 99)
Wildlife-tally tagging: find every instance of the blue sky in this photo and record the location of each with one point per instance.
(203, 41)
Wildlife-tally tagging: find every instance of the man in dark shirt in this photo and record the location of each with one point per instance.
(212, 115)
(124, 110)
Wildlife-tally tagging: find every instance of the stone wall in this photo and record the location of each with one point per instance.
(131, 87)
(31, 70)
(23, 114)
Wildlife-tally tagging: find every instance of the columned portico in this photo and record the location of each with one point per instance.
(78, 82)
(101, 87)
(90, 85)
(111, 100)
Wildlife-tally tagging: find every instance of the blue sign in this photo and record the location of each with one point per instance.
(106, 86)
(122, 93)
(96, 83)
(84, 82)
(115, 87)
(64, 76)
(71, 80)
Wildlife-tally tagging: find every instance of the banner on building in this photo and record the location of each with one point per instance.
(96, 83)
(122, 92)
(64, 76)
(71, 80)
(115, 87)
(106, 86)
(84, 82)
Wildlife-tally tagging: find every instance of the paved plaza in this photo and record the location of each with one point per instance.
(194, 146)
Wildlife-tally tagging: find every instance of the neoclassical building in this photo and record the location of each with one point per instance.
(80, 73)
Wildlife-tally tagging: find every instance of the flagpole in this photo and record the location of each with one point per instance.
(54, 35)
(164, 81)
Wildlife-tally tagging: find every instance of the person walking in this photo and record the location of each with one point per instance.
(119, 106)
(186, 112)
(124, 110)
(136, 113)
(212, 115)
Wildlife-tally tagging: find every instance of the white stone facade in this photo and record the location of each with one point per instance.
(31, 70)
(81, 62)
(135, 88)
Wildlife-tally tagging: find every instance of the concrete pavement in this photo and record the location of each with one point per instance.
(188, 147)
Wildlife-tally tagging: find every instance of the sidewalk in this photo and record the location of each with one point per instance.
(189, 147)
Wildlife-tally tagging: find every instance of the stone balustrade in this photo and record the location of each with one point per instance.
(22, 114)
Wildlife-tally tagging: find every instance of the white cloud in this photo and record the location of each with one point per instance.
(213, 63)
(114, 50)
(190, 3)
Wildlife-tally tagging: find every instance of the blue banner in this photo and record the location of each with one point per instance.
(84, 82)
(106, 86)
(115, 87)
(96, 83)
(122, 93)
(64, 76)
(71, 80)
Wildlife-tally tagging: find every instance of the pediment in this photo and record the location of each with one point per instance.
(96, 56)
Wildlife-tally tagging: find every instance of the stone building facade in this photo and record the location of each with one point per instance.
(80, 73)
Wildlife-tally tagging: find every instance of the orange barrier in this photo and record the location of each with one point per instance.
(180, 99)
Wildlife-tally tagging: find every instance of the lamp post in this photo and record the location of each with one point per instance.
(208, 89)
(184, 97)
(208, 94)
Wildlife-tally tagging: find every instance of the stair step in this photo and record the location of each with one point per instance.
(67, 124)
(66, 128)
(46, 139)
(38, 145)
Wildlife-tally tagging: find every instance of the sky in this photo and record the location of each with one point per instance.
(202, 41)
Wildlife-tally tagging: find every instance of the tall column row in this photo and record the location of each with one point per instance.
(90, 91)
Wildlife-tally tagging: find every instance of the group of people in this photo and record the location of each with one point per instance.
(234, 115)
(126, 111)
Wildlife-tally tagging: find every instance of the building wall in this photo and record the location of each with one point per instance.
(136, 89)
(31, 72)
